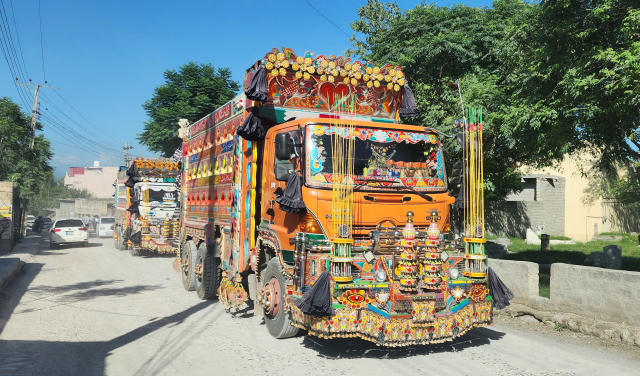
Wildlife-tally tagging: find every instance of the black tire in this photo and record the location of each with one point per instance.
(118, 239)
(85, 244)
(123, 243)
(135, 252)
(207, 284)
(280, 325)
(52, 246)
(188, 252)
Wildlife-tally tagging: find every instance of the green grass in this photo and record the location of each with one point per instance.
(575, 253)
(614, 233)
(558, 237)
(572, 254)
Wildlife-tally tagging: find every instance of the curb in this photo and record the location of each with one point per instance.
(604, 330)
(7, 278)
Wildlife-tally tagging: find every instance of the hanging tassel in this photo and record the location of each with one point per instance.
(251, 128)
(291, 199)
(499, 291)
(130, 182)
(408, 107)
(317, 300)
(257, 89)
(132, 170)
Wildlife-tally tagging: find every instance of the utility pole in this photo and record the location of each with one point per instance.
(34, 117)
(34, 112)
(126, 148)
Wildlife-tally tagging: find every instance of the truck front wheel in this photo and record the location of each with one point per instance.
(276, 319)
(207, 273)
(188, 253)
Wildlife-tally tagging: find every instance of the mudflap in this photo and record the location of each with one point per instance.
(253, 295)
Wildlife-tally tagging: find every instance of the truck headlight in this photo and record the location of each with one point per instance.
(454, 273)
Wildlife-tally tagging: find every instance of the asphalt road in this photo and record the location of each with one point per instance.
(100, 311)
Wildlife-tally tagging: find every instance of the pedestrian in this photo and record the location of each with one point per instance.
(86, 220)
(96, 219)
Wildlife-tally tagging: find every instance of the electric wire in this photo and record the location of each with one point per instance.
(8, 50)
(87, 120)
(323, 16)
(104, 156)
(15, 26)
(48, 100)
(60, 123)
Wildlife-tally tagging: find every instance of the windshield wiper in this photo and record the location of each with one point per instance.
(423, 195)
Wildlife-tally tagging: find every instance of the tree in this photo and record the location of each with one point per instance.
(437, 46)
(51, 193)
(578, 70)
(24, 166)
(192, 92)
(553, 78)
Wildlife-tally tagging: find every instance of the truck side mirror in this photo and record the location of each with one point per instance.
(283, 146)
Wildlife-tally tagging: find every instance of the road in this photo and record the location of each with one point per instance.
(100, 311)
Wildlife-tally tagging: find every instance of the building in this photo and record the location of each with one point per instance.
(561, 201)
(97, 179)
(540, 206)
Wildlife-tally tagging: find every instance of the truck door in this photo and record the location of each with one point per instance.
(283, 223)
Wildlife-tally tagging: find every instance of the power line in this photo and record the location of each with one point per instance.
(81, 147)
(87, 120)
(78, 124)
(6, 44)
(79, 136)
(15, 26)
(337, 27)
(44, 73)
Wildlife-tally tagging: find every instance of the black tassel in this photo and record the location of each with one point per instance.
(499, 291)
(257, 89)
(408, 107)
(130, 182)
(317, 300)
(291, 199)
(252, 129)
(132, 170)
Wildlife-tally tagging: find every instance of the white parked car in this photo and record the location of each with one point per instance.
(30, 221)
(69, 230)
(104, 227)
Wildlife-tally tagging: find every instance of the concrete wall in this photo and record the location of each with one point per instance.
(98, 180)
(595, 293)
(521, 278)
(77, 208)
(602, 294)
(6, 216)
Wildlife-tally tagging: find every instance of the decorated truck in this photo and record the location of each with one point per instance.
(147, 206)
(308, 196)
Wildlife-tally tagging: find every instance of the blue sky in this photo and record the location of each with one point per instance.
(108, 56)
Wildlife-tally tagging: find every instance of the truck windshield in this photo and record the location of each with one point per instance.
(155, 195)
(382, 157)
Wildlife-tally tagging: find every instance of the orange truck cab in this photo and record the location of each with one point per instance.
(337, 219)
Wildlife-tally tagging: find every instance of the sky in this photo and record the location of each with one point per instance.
(106, 57)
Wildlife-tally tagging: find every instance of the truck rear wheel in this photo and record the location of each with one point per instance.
(188, 253)
(135, 251)
(207, 273)
(277, 321)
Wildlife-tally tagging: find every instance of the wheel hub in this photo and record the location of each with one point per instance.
(269, 297)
